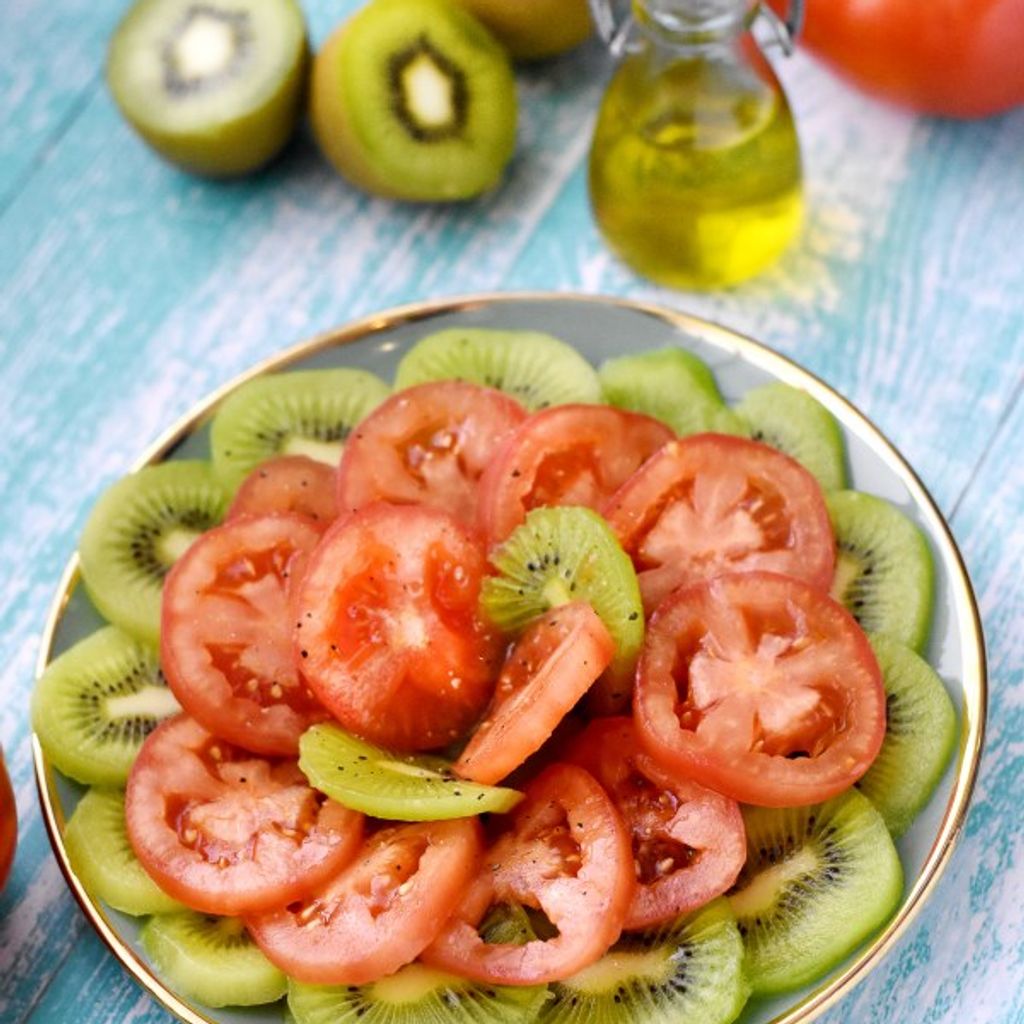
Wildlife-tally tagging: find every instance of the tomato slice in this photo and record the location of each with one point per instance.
(427, 445)
(710, 504)
(762, 688)
(551, 666)
(8, 823)
(567, 854)
(291, 483)
(381, 911)
(225, 638)
(227, 832)
(389, 634)
(567, 455)
(689, 843)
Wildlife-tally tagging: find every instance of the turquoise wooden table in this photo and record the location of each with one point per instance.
(127, 291)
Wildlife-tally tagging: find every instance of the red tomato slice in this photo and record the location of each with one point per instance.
(389, 632)
(551, 666)
(427, 445)
(567, 455)
(291, 483)
(226, 633)
(689, 843)
(229, 833)
(567, 854)
(710, 504)
(8, 823)
(381, 911)
(762, 688)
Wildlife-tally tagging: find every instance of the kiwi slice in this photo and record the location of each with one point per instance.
(673, 386)
(818, 880)
(137, 531)
(884, 570)
(415, 99)
(211, 959)
(97, 844)
(215, 87)
(97, 702)
(790, 420)
(537, 369)
(393, 786)
(305, 412)
(920, 734)
(568, 554)
(686, 970)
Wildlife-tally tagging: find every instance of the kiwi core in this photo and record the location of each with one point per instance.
(328, 452)
(761, 894)
(622, 967)
(428, 92)
(208, 46)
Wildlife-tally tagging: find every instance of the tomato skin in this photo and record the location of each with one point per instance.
(8, 823)
(427, 445)
(710, 504)
(567, 852)
(961, 58)
(547, 671)
(227, 832)
(566, 455)
(381, 911)
(225, 636)
(670, 818)
(761, 688)
(290, 483)
(389, 634)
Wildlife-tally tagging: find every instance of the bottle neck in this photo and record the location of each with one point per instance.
(693, 23)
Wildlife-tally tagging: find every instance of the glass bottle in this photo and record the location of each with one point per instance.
(695, 172)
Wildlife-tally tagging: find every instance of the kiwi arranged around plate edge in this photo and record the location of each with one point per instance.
(740, 364)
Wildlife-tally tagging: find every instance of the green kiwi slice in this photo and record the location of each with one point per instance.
(569, 554)
(211, 959)
(688, 970)
(97, 702)
(96, 841)
(920, 733)
(415, 99)
(137, 531)
(818, 880)
(215, 87)
(304, 412)
(673, 386)
(884, 570)
(537, 369)
(800, 426)
(398, 787)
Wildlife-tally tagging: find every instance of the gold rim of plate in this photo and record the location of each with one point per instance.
(968, 620)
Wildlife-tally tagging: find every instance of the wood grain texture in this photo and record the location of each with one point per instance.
(128, 290)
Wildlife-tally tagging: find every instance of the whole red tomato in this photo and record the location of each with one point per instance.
(8, 823)
(963, 58)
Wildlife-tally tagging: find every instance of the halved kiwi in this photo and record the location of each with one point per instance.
(97, 844)
(535, 368)
(673, 386)
(304, 412)
(211, 959)
(687, 970)
(137, 531)
(920, 733)
(97, 702)
(215, 87)
(398, 787)
(817, 881)
(415, 99)
(884, 570)
(791, 421)
(570, 554)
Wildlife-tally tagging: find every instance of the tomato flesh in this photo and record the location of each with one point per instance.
(389, 635)
(290, 483)
(225, 642)
(689, 843)
(547, 671)
(381, 911)
(227, 832)
(8, 823)
(566, 455)
(567, 853)
(762, 688)
(710, 504)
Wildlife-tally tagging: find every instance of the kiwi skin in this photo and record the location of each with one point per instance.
(534, 29)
